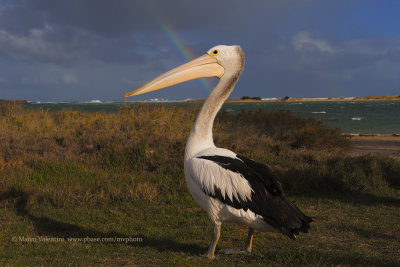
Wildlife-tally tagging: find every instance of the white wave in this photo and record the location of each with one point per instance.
(95, 101)
(369, 134)
(162, 100)
(356, 119)
(47, 102)
(319, 112)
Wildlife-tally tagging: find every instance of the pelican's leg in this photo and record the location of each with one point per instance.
(249, 244)
(241, 250)
(216, 234)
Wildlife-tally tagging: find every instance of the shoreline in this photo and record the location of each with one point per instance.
(359, 98)
(371, 136)
(250, 100)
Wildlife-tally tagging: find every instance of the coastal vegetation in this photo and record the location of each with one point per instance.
(18, 101)
(378, 98)
(250, 98)
(71, 183)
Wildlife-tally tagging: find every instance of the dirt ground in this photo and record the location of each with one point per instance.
(388, 145)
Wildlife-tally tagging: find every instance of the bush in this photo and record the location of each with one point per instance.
(137, 153)
(284, 126)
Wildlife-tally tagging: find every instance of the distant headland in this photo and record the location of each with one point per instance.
(289, 99)
(17, 101)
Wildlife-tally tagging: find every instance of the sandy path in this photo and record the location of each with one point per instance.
(388, 145)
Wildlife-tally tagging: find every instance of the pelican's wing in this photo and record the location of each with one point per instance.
(245, 184)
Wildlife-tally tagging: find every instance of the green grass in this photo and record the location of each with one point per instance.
(77, 175)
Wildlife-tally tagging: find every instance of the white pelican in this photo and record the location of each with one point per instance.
(228, 186)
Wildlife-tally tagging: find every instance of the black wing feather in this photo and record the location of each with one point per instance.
(267, 198)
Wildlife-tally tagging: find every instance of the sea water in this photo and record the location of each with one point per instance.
(352, 117)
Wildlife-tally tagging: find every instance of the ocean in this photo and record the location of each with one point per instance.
(352, 117)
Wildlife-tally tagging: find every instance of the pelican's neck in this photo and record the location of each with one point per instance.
(200, 137)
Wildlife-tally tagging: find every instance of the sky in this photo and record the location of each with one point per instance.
(82, 50)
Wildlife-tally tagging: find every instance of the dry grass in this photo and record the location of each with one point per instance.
(68, 173)
(59, 148)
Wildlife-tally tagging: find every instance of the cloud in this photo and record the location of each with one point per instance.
(303, 41)
(62, 47)
(345, 55)
(32, 45)
(78, 49)
(307, 65)
(124, 16)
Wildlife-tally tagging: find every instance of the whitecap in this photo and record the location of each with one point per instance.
(319, 112)
(356, 119)
(269, 98)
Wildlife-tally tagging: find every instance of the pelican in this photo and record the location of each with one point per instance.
(228, 186)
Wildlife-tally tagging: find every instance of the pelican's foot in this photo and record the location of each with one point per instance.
(215, 257)
(235, 251)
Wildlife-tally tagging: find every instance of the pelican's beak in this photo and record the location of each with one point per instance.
(202, 67)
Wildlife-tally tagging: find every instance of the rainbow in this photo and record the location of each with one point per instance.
(168, 29)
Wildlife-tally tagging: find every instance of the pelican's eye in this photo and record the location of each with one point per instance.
(215, 52)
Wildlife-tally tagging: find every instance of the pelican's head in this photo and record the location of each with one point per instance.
(229, 57)
(217, 62)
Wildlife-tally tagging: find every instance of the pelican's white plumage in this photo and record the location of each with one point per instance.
(228, 186)
(203, 177)
(208, 175)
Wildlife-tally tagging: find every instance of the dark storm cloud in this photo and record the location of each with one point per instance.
(317, 67)
(124, 16)
(27, 18)
(310, 66)
(63, 47)
(74, 49)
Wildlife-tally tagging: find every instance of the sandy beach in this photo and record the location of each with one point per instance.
(388, 145)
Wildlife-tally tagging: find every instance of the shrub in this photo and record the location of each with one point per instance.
(137, 153)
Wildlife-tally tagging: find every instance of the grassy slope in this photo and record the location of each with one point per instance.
(71, 175)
